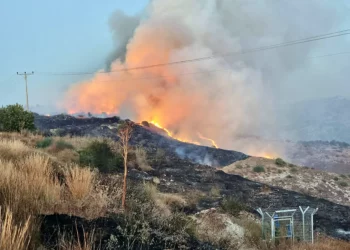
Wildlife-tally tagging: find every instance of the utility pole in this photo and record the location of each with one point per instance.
(25, 74)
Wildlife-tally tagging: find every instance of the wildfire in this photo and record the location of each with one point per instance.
(170, 134)
(266, 155)
(208, 139)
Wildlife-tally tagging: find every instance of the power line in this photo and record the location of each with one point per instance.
(258, 49)
(181, 75)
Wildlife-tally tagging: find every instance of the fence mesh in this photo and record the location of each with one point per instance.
(294, 223)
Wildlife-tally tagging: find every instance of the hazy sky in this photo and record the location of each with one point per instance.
(74, 36)
(51, 36)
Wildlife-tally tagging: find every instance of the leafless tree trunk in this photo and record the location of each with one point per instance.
(124, 134)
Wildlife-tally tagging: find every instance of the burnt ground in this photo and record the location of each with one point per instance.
(185, 173)
(107, 127)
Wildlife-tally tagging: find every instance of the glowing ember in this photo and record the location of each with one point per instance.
(208, 139)
(171, 134)
(266, 155)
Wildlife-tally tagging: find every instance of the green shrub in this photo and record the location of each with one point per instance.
(239, 166)
(294, 170)
(343, 184)
(289, 176)
(259, 169)
(292, 165)
(46, 142)
(232, 206)
(280, 171)
(100, 155)
(13, 118)
(336, 178)
(280, 162)
(343, 176)
(61, 145)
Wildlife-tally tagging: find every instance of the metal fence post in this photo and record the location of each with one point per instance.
(303, 213)
(312, 225)
(262, 222)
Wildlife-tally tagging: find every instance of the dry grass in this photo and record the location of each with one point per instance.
(14, 236)
(304, 180)
(218, 229)
(323, 244)
(13, 149)
(27, 138)
(67, 156)
(69, 243)
(80, 143)
(141, 159)
(79, 181)
(164, 201)
(29, 181)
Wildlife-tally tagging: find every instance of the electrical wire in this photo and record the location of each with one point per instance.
(258, 49)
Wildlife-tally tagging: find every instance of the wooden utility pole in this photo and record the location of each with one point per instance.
(25, 74)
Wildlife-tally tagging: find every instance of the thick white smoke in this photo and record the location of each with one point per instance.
(221, 98)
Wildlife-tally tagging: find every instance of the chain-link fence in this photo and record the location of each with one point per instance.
(296, 224)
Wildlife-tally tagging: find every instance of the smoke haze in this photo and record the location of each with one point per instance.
(223, 98)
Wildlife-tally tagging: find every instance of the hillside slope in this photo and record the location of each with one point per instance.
(183, 174)
(324, 119)
(330, 186)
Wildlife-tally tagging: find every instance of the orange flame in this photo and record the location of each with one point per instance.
(208, 139)
(266, 155)
(170, 134)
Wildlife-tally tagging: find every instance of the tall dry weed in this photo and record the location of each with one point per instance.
(14, 236)
(28, 186)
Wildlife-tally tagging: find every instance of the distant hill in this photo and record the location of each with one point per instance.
(324, 119)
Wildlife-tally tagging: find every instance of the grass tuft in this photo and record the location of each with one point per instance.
(13, 236)
(79, 181)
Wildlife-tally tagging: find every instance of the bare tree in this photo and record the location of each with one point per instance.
(124, 134)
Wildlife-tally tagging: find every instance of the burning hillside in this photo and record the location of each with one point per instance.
(155, 74)
(199, 102)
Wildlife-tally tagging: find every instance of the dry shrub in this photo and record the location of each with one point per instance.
(141, 159)
(219, 230)
(323, 243)
(80, 143)
(13, 236)
(29, 185)
(67, 156)
(79, 181)
(13, 149)
(172, 200)
(83, 195)
(252, 234)
(166, 202)
(74, 243)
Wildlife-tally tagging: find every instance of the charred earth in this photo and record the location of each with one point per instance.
(190, 167)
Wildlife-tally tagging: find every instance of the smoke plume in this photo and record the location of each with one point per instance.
(221, 98)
